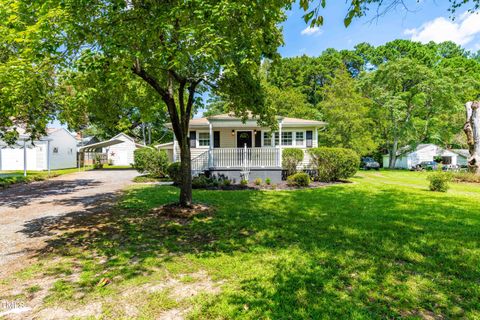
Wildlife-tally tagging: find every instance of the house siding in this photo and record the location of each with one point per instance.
(121, 154)
(66, 157)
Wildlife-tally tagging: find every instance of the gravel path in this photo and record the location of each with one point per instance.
(25, 209)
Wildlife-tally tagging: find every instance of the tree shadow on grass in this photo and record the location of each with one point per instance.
(342, 251)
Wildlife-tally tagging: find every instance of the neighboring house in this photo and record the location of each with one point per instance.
(463, 155)
(58, 148)
(168, 147)
(225, 145)
(407, 158)
(121, 154)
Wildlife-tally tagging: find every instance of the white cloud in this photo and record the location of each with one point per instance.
(309, 31)
(441, 29)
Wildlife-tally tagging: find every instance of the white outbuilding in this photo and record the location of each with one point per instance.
(408, 158)
(121, 154)
(56, 150)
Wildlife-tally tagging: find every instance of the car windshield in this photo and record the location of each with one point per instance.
(368, 160)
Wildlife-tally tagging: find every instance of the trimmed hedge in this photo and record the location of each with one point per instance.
(300, 179)
(291, 158)
(151, 161)
(333, 164)
(174, 172)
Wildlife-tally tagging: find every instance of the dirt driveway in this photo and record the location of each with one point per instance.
(24, 209)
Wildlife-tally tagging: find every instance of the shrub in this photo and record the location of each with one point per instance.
(439, 181)
(268, 181)
(300, 179)
(291, 158)
(97, 162)
(257, 181)
(466, 177)
(174, 172)
(151, 161)
(200, 181)
(243, 182)
(203, 181)
(333, 164)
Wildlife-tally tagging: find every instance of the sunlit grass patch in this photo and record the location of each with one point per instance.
(382, 247)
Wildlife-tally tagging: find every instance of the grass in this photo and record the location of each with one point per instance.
(381, 247)
(8, 178)
(112, 167)
(147, 178)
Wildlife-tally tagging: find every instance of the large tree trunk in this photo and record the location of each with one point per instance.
(472, 130)
(186, 172)
(393, 154)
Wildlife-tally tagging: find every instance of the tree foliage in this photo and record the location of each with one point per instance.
(347, 113)
(26, 75)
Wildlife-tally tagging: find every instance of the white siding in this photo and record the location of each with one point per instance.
(12, 159)
(427, 153)
(121, 154)
(66, 147)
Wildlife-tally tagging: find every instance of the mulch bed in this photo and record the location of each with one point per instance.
(174, 210)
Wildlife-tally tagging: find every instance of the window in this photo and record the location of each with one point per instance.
(287, 138)
(277, 138)
(299, 138)
(203, 139)
(267, 139)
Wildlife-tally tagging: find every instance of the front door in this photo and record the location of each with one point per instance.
(244, 138)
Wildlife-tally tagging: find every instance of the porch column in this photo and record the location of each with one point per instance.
(280, 143)
(315, 139)
(25, 158)
(48, 157)
(210, 147)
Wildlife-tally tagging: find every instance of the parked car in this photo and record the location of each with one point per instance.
(369, 163)
(426, 165)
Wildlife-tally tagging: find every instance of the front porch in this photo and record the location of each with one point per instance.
(237, 158)
(240, 148)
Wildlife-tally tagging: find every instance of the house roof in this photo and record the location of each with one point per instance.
(286, 121)
(462, 152)
(168, 145)
(102, 144)
(408, 149)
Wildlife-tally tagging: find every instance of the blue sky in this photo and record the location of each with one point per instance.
(425, 21)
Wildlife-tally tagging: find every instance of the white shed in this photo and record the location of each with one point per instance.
(61, 144)
(121, 154)
(408, 158)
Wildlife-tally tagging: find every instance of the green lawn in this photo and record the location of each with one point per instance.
(381, 247)
(11, 177)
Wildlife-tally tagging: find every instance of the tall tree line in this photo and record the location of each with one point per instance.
(378, 99)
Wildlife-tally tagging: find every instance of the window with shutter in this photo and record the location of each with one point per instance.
(193, 139)
(216, 139)
(309, 139)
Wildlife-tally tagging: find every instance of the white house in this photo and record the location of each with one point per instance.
(408, 158)
(121, 154)
(57, 149)
(226, 145)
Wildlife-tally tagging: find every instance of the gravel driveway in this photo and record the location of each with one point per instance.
(25, 208)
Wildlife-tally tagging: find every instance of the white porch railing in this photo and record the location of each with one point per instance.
(245, 158)
(199, 163)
